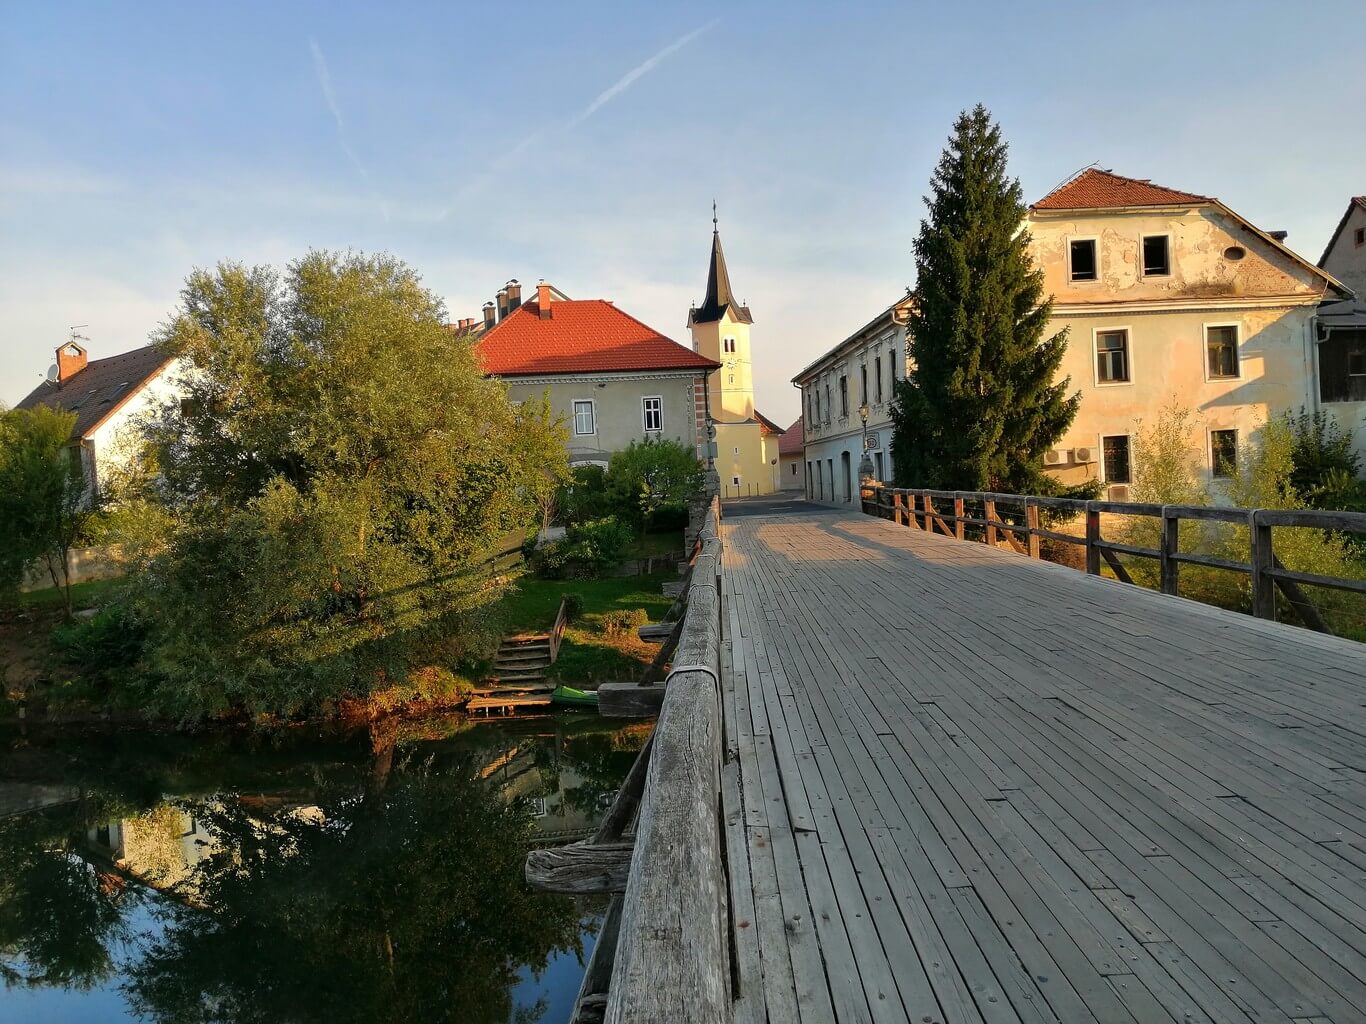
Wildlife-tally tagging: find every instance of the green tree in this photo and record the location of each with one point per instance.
(46, 501)
(335, 479)
(981, 402)
(1325, 462)
(650, 473)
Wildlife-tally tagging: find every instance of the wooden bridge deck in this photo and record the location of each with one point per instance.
(961, 785)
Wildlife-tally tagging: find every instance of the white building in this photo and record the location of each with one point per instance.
(109, 396)
(862, 370)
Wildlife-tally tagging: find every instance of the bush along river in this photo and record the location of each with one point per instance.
(371, 876)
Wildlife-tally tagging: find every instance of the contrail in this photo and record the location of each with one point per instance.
(603, 98)
(626, 80)
(325, 83)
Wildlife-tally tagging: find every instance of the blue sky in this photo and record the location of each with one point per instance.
(583, 143)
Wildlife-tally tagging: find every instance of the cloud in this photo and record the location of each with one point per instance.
(602, 99)
(343, 137)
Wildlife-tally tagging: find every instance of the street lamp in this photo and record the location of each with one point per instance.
(865, 466)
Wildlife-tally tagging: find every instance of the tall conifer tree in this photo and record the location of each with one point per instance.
(981, 403)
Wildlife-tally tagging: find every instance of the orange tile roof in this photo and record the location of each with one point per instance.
(766, 425)
(793, 441)
(1099, 190)
(580, 336)
(100, 389)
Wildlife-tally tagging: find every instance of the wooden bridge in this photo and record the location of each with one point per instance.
(898, 776)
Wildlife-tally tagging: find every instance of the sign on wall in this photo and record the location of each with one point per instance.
(870, 441)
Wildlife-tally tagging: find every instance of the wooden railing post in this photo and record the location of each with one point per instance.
(1032, 526)
(1170, 546)
(899, 509)
(1263, 560)
(1092, 535)
(989, 505)
(958, 513)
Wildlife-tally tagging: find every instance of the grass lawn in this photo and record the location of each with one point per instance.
(654, 545)
(588, 654)
(83, 595)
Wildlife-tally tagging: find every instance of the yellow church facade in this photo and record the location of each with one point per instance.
(746, 441)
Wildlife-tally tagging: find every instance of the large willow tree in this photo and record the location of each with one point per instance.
(981, 402)
(334, 479)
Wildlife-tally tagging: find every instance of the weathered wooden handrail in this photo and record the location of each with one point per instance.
(557, 631)
(917, 506)
(672, 955)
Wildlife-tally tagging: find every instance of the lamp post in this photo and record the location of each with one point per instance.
(865, 466)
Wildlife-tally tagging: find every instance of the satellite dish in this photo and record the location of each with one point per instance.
(52, 373)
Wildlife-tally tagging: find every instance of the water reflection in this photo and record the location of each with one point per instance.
(373, 877)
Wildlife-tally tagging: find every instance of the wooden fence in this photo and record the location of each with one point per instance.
(1016, 519)
(663, 954)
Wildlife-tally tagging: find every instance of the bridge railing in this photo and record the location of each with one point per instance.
(1017, 519)
(664, 953)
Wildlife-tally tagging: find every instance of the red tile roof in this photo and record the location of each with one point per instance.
(97, 391)
(580, 336)
(766, 425)
(1099, 190)
(793, 441)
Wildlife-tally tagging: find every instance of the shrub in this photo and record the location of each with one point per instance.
(651, 473)
(549, 560)
(584, 497)
(587, 550)
(103, 645)
(668, 517)
(573, 607)
(623, 621)
(1322, 457)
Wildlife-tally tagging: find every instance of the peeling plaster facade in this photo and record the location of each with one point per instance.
(1225, 282)
(1346, 257)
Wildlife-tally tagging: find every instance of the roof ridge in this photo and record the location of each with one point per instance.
(1090, 174)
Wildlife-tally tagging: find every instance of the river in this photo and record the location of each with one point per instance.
(302, 875)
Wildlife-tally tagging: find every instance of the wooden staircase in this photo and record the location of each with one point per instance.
(520, 670)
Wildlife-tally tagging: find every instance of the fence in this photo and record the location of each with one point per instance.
(913, 506)
(663, 953)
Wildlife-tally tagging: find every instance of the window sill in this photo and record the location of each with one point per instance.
(1114, 383)
(1223, 380)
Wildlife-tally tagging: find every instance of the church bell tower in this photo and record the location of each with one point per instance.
(720, 331)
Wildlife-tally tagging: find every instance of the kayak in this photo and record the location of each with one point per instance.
(570, 697)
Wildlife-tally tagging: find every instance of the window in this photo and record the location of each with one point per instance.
(583, 417)
(652, 412)
(827, 403)
(877, 463)
(1082, 259)
(892, 360)
(817, 417)
(1115, 451)
(728, 345)
(1356, 363)
(1342, 366)
(1112, 357)
(844, 396)
(1221, 344)
(794, 469)
(1156, 256)
(863, 383)
(1360, 236)
(1223, 452)
(1234, 253)
(877, 376)
(735, 481)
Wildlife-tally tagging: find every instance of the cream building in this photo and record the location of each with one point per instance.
(863, 369)
(746, 441)
(1167, 295)
(612, 378)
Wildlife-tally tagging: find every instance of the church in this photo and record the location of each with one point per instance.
(746, 441)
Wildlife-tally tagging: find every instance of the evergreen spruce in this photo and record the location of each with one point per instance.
(980, 405)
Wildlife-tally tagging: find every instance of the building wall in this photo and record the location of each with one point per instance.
(617, 404)
(746, 459)
(1347, 260)
(881, 349)
(792, 473)
(1267, 295)
(732, 386)
(116, 442)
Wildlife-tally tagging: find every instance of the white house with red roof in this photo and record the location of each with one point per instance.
(108, 396)
(791, 458)
(613, 378)
(1168, 295)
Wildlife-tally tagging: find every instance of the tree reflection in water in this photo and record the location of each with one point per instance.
(404, 904)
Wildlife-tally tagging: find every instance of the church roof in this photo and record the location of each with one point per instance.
(793, 441)
(766, 425)
(720, 296)
(580, 336)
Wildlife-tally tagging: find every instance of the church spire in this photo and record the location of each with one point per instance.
(720, 297)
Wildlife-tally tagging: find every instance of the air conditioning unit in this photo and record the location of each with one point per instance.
(1055, 457)
(1083, 455)
(1118, 492)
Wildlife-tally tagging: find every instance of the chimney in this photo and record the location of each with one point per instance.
(1279, 236)
(490, 316)
(514, 290)
(71, 360)
(502, 300)
(543, 300)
